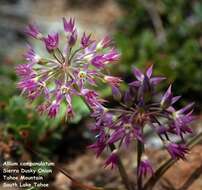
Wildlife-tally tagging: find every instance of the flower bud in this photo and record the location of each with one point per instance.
(167, 99)
(116, 93)
(51, 42)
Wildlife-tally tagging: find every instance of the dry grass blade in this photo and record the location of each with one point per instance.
(167, 185)
(167, 164)
(194, 176)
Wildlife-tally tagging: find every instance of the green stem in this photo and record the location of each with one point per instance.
(122, 171)
(121, 168)
(140, 148)
(57, 54)
(74, 53)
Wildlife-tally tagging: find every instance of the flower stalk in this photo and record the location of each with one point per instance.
(140, 148)
(121, 168)
(122, 171)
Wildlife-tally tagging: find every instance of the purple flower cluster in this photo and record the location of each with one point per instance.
(145, 167)
(78, 66)
(141, 107)
(67, 71)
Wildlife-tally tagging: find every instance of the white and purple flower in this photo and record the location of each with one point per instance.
(67, 73)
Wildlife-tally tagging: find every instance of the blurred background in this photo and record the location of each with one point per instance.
(166, 33)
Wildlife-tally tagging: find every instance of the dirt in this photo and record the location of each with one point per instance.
(89, 170)
(182, 170)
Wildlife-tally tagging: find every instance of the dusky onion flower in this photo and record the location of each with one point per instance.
(67, 71)
(141, 107)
